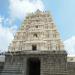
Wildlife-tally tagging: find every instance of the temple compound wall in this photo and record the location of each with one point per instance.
(48, 63)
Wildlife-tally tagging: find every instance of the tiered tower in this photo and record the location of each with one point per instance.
(38, 32)
(36, 48)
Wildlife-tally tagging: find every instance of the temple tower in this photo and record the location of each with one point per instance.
(37, 48)
(38, 32)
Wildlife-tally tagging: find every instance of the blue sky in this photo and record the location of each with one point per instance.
(64, 15)
(13, 12)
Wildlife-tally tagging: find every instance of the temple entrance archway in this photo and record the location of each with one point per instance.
(33, 66)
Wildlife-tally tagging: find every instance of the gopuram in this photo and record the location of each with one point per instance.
(36, 49)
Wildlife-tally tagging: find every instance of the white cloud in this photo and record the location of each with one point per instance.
(1, 19)
(5, 36)
(70, 46)
(19, 8)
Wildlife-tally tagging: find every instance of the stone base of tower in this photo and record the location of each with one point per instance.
(35, 63)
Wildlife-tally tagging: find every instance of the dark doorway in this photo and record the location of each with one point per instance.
(34, 47)
(33, 66)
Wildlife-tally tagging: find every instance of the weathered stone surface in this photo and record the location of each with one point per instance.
(52, 63)
(71, 65)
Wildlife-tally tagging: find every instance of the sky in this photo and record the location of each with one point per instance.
(13, 12)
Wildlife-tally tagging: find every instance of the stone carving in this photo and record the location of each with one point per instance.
(38, 29)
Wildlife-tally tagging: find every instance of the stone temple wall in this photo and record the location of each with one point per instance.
(71, 68)
(51, 63)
